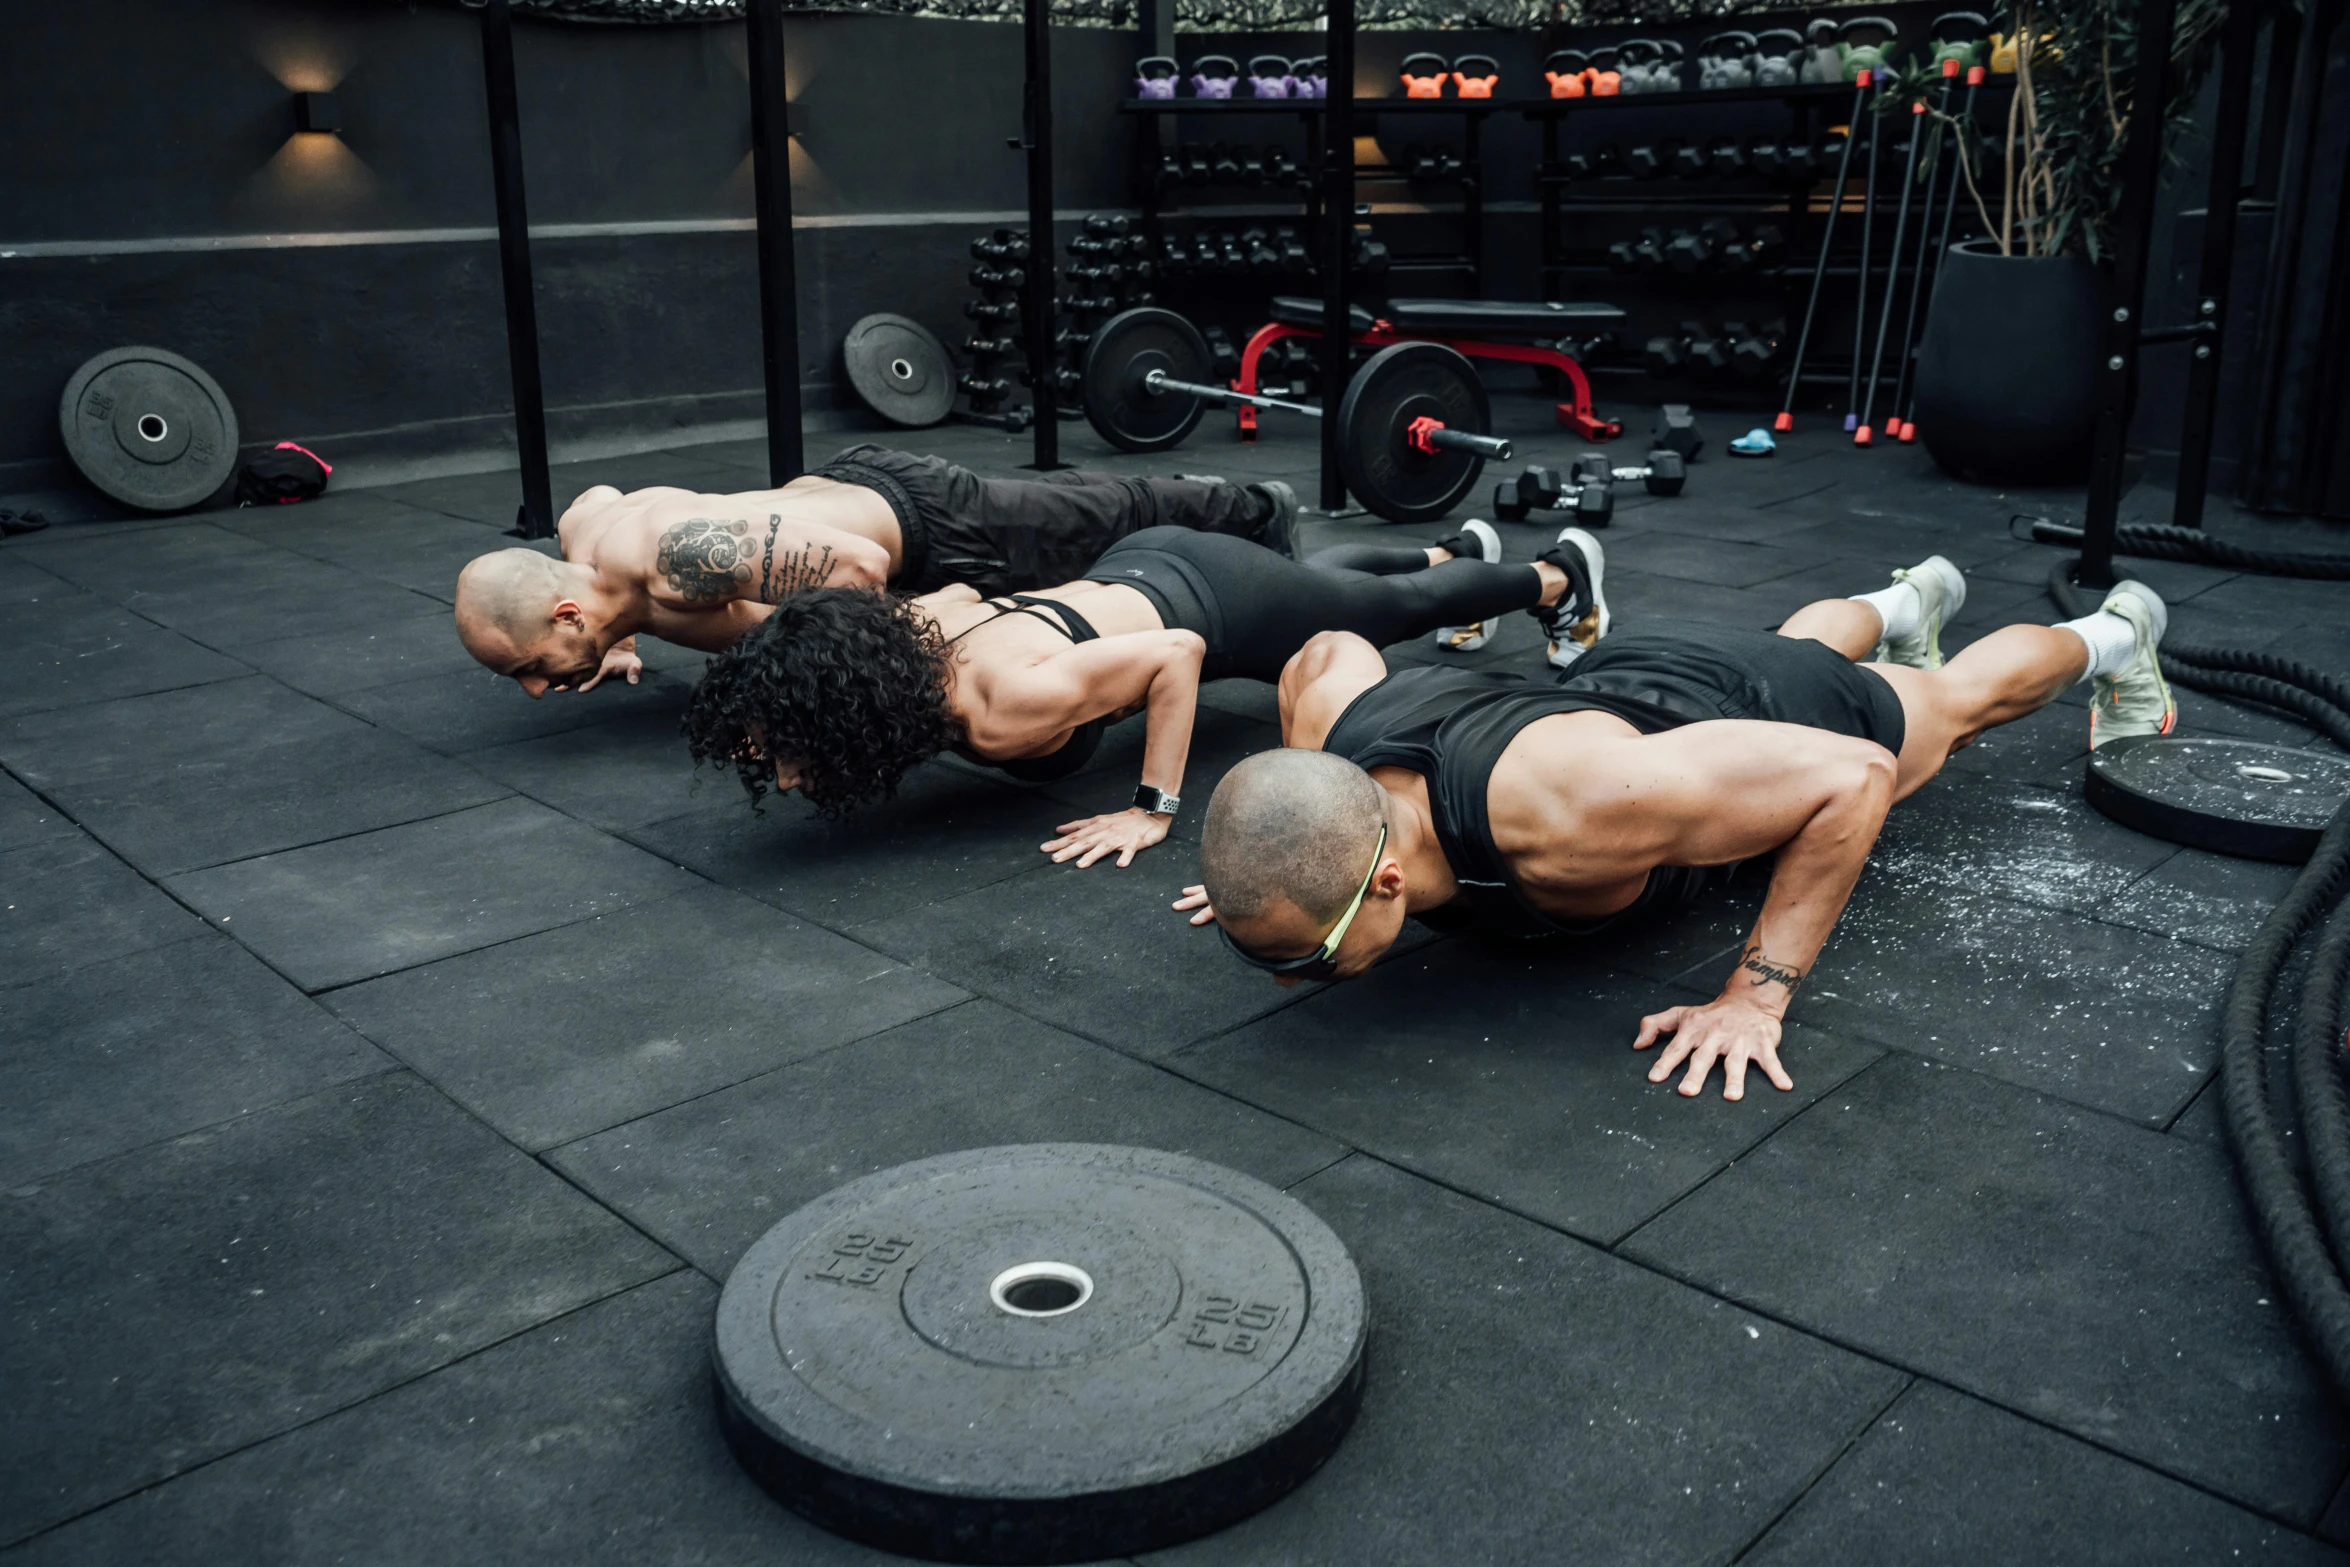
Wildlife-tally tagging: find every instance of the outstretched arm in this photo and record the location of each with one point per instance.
(1713, 793)
(1157, 671)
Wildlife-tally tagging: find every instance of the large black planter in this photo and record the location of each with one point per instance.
(2007, 374)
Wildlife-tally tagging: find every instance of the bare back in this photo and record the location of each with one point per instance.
(701, 569)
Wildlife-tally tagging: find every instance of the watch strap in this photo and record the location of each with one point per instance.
(1157, 801)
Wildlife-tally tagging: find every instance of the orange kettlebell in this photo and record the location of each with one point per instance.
(1427, 80)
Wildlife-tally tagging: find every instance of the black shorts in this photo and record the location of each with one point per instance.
(1674, 672)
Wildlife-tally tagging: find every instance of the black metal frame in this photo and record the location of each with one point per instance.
(536, 519)
(1036, 139)
(779, 305)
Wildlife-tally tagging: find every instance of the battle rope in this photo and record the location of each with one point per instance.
(2294, 1227)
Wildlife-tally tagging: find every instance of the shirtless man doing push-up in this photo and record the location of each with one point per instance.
(700, 570)
(1583, 800)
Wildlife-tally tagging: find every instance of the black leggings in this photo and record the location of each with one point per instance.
(1256, 608)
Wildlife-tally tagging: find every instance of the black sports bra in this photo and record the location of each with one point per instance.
(1078, 749)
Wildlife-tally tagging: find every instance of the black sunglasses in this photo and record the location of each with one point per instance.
(1322, 962)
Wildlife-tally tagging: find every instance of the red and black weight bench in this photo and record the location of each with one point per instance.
(1472, 326)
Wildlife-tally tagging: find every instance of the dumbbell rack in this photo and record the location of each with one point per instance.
(1811, 109)
(1470, 259)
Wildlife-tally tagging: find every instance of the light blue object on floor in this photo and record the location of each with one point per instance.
(1756, 442)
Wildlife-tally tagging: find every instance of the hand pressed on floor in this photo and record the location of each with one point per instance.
(1733, 1031)
(1123, 833)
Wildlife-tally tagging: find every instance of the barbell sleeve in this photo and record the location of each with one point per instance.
(1494, 446)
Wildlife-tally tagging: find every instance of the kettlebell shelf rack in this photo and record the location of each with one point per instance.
(1473, 112)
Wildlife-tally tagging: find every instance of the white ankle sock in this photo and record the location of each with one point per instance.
(2110, 640)
(1899, 607)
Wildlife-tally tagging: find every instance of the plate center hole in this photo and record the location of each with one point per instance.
(2260, 774)
(1041, 1289)
(152, 428)
(902, 369)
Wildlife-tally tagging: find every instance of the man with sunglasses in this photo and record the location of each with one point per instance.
(1617, 789)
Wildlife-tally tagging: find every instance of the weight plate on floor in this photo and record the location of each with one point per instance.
(149, 428)
(900, 371)
(1047, 1353)
(1397, 385)
(1121, 353)
(2263, 802)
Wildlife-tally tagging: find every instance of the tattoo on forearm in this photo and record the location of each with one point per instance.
(1766, 972)
(705, 559)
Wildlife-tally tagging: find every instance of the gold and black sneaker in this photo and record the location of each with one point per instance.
(1475, 541)
(1576, 623)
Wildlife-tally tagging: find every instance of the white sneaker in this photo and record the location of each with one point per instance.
(1475, 541)
(1941, 591)
(1576, 623)
(2137, 701)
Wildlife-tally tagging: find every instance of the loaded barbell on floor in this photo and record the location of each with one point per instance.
(1411, 426)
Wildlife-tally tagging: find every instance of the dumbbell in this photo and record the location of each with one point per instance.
(1753, 352)
(1102, 225)
(1224, 164)
(1757, 250)
(984, 388)
(985, 248)
(1196, 167)
(1686, 252)
(986, 310)
(1730, 159)
(1666, 354)
(1295, 258)
(1692, 160)
(1645, 254)
(1709, 351)
(1252, 166)
(1536, 489)
(998, 277)
(981, 347)
(1664, 474)
(1280, 167)
(1676, 431)
(1647, 160)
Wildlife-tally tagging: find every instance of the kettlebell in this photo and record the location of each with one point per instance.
(1607, 79)
(1869, 54)
(1823, 62)
(1726, 60)
(1665, 75)
(1957, 39)
(1423, 75)
(1569, 73)
(2002, 55)
(1637, 57)
(1269, 76)
(1309, 73)
(1476, 75)
(1778, 57)
(1214, 76)
(1155, 76)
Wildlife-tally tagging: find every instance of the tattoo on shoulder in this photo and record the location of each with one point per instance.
(1766, 972)
(704, 559)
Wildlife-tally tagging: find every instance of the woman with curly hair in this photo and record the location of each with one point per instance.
(842, 691)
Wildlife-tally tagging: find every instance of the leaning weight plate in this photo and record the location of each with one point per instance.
(1385, 471)
(899, 370)
(1121, 353)
(1047, 1353)
(149, 428)
(2264, 802)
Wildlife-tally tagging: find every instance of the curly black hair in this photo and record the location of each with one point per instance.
(848, 683)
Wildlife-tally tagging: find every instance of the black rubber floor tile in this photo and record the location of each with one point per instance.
(494, 498)
(947, 832)
(710, 1176)
(2000, 835)
(597, 1428)
(2033, 749)
(181, 779)
(1098, 951)
(1708, 516)
(2197, 896)
(630, 772)
(65, 902)
(2281, 598)
(22, 582)
(25, 820)
(2101, 1278)
(1531, 1399)
(137, 1049)
(1637, 597)
(173, 1304)
(1945, 1478)
(2204, 714)
(471, 709)
(1219, 741)
(1511, 1075)
(332, 664)
(376, 902)
(422, 552)
(69, 647)
(2104, 1016)
(1719, 562)
(570, 1031)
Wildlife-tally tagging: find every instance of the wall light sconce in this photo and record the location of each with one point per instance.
(317, 111)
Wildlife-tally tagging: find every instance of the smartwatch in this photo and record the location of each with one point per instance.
(1157, 801)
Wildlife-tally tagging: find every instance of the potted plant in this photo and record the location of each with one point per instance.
(2007, 373)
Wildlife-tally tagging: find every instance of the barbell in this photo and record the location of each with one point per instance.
(1411, 426)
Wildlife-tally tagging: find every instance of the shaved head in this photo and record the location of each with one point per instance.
(509, 593)
(1290, 825)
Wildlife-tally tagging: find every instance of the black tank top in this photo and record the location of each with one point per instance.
(1078, 749)
(1451, 725)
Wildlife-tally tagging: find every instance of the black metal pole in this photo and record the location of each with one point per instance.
(1038, 312)
(1338, 211)
(1897, 424)
(1974, 80)
(536, 519)
(1909, 179)
(779, 289)
(2237, 42)
(1868, 221)
(2133, 226)
(1819, 268)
